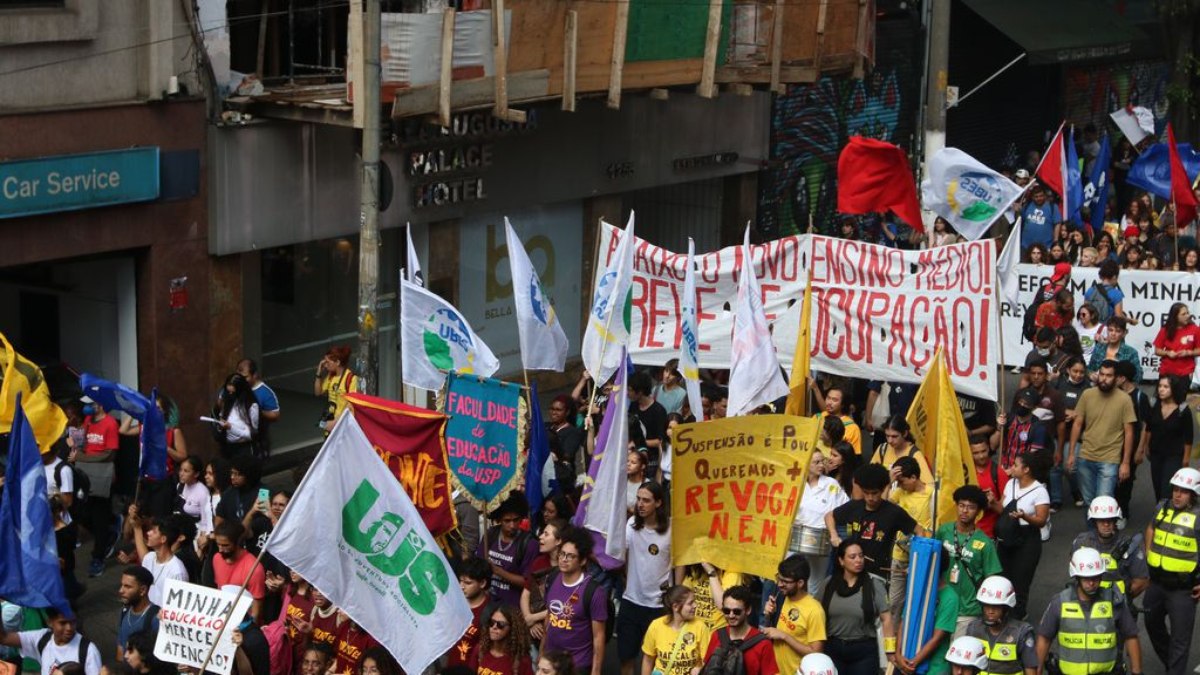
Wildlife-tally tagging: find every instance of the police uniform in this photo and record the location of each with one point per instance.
(1124, 558)
(1172, 556)
(1088, 635)
(1010, 651)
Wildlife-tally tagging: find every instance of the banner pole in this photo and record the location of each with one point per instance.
(1000, 370)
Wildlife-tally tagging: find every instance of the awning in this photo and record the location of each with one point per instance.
(1064, 31)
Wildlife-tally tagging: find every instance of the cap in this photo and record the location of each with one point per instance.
(1022, 173)
(86, 399)
(1061, 271)
(1132, 231)
(1029, 397)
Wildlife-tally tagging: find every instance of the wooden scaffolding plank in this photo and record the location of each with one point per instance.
(777, 49)
(476, 93)
(822, 13)
(446, 76)
(570, 59)
(712, 43)
(617, 64)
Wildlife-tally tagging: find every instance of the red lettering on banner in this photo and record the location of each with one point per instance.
(678, 332)
(763, 290)
(702, 316)
(742, 494)
(720, 526)
(714, 501)
(692, 499)
(713, 261)
(613, 242)
(651, 319)
(782, 261)
(744, 523)
(639, 303)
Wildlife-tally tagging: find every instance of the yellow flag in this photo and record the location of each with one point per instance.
(938, 428)
(22, 376)
(797, 400)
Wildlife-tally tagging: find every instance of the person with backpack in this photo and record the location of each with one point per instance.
(853, 599)
(799, 619)
(897, 443)
(739, 648)
(510, 549)
(578, 606)
(1105, 295)
(1058, 282)
(60, 643)
(137, 612)
(1024, 432)
(1116, 329)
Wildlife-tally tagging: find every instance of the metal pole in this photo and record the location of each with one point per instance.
(935, 79)
(368, 240)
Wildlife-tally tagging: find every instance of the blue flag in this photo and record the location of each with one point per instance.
(1096, 191)
(154, 441)
(115, 396)
(539, 450)
(29, 574)
(1074, 187)
(1151, 171)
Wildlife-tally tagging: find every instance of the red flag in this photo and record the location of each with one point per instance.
(412, 442)
(873, 177)
(1181, 188)
(1051, 171)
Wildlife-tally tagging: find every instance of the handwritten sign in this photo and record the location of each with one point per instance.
(878, 313)
(189, 620)
(736, 487)
(484, 436)
(410, 441)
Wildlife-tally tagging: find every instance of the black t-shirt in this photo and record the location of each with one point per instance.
(976, 412)
(1168, 436)
(654, 424)
(254, 644)
(235, 503)
(875, 530)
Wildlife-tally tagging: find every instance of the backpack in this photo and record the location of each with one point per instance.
(84, 645)
(83, 484)
(728, 658)
(1097, 296)
(1028, 321)
(589, 591)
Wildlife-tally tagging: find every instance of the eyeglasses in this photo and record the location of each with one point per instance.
(497, 624)
(784, 581)
(731, 611)
(568, 556)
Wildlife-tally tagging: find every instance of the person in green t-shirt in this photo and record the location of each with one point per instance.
(945, 621)
(971, 553)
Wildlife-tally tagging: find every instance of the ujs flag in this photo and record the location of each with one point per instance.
(543, 342)
(372, 556)
(29, 574)
(968, 194)
(754, 374)
(435, 338)
(607, 331)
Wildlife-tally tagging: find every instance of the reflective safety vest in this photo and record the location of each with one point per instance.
(1174, 548)
(1003, 650)
(1087, 643)
(1112, 574)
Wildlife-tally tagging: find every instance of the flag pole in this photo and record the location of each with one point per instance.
(1002, 366)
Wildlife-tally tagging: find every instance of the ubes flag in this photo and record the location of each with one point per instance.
(411, 441)
(755, 377)
(543, 342)
(735, 486)
(436, 338)
(607, 331)
(969, 195)
(938, 428)
(22, 376)
(29, 574)
(689, 342)
(873, 177)
(353, 533)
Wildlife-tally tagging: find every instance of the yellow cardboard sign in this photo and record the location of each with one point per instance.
(735, 487)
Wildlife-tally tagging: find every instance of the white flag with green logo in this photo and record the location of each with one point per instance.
(434, 338)
(543, 342)
(969, 195)
(607, 331)
(352, 532)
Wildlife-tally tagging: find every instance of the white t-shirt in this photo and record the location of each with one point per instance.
(1028, 498)
(819, 500)
(68, 482)
(172, 569)
(648, 565)
(55, 655)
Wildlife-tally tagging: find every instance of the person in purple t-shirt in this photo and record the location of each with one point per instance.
(577, 605)
(510, 549)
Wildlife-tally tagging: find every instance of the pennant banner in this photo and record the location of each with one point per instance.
(755, 377)
(412, 442)
(607, 329)
(735, 486)
(878, 313)
(602, 501)
(484, 436)
(543, 342)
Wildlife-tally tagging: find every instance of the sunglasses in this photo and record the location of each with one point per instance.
(497, 624)
(730, 611)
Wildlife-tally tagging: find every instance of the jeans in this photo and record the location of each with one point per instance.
(1072, 476)
(1096, 479)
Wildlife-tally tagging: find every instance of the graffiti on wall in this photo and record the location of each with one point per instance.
(809, 126)
(1093, 92)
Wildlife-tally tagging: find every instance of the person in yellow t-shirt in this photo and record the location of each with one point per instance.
(898, 443)
(709, 584)
(832, 405)
(793, 618)
(333, 381)
(675, 644)
(914, 496)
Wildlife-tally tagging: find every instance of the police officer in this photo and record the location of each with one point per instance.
(967, 656)
(1123, 555)
(1089, 622)
(1009, 643)
(1171, 552)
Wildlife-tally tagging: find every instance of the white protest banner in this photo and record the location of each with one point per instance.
(188, 623)
(1149, 295)
(878, 313)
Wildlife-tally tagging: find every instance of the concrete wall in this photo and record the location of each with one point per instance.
(91, 52)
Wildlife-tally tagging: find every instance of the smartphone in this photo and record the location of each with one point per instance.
(264, 496)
